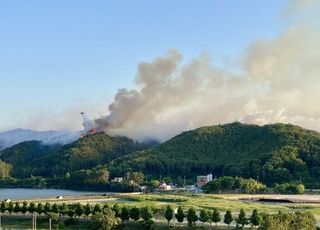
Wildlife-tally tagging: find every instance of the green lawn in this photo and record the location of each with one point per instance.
(159, 202)
(207, 201)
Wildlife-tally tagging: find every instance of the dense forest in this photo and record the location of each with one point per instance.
(277, 153)
(272, 154)
(34, 158)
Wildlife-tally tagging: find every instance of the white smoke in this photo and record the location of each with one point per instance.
(87, 123)
(278, 81)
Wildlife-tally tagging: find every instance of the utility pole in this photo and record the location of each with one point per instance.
(49, 223)
(34, 221)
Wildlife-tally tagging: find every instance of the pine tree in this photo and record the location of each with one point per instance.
(135, 213)
(180, 215)
(256, 218)
(125, 214)
(192, 216)
(40, 208)
(10, 207)
(216, 217)
(63, 208)
(55, 208)
(70, 213)
(242, 220)
(32, 207)
(17, 207)
(228, 218)
(204, 216)
(24, 207)
(146, 214)
(117, 210)
(168, 214)
(4, 206)
(79, 209)
(97, 208)
(87, 210)
(47, 208)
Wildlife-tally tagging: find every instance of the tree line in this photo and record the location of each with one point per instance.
(250, 186)
(105, 216)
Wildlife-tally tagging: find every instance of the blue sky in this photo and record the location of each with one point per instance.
(57, 54)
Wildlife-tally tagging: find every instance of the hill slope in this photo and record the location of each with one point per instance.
(273, 153)
(22, 154)
(34, 158)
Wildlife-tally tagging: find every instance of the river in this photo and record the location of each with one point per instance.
(29, 193)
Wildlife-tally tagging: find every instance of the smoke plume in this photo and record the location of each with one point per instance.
(277, 81)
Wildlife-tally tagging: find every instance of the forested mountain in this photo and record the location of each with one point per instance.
(21, 156)
(271, 153)
(34, 158)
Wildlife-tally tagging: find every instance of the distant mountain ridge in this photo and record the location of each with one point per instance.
(36, 158)
(16, 136)
(272, 154)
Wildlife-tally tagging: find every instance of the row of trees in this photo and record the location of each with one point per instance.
(289, 188)
(214, 216)
(126, 213)
(104, 217)
(228, 183)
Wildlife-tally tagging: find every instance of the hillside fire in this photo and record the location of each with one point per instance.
(89, 126)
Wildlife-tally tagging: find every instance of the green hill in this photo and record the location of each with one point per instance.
(271, 153)
(22, 154)
(34, 158)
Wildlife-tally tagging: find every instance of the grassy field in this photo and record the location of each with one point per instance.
(206, 201)
(159, 202)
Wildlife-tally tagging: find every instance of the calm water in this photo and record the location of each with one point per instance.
(26, 193)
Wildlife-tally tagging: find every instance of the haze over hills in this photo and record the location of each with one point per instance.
(16, 136)
(271, 153)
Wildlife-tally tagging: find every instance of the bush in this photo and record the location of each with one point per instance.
(298, 220)
(290, 188)
(227, 183)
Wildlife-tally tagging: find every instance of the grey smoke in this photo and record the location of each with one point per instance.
(277, 81)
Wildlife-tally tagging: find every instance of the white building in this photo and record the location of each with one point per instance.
(164, 186)
(202, 180)
(117, 179)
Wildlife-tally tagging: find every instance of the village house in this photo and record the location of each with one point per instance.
(202, 180)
